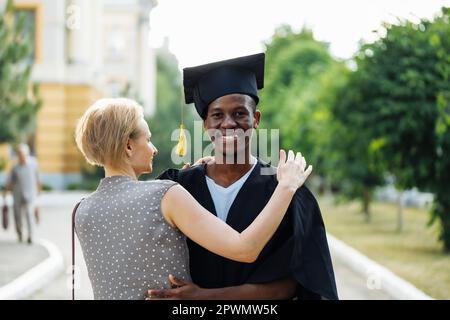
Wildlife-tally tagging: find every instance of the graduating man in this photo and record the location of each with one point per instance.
(296, 262)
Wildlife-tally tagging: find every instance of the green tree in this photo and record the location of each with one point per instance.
(19, 100)
(293, 60)
(402, 86)
(355, 168)
(310, 126)
(167, 117)
(302, 83)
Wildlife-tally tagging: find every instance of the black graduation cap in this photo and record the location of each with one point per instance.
(203, 84)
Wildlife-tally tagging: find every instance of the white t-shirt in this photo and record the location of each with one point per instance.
(222, 197)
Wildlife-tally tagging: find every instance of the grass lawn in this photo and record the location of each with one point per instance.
(415, 255)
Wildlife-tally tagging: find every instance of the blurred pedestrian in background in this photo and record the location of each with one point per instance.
(23, 181)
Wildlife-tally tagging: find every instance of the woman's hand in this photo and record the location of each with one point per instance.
(199, 161)
(291, 171)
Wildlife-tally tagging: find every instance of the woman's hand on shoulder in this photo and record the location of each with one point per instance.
(291, 173)
(200, 161)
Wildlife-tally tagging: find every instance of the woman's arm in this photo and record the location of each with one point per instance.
(181, 210)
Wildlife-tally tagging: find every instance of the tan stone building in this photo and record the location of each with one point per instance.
(83, 50)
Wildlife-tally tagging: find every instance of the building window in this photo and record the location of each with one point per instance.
(30, 13)
(116, 45)
(29, 20)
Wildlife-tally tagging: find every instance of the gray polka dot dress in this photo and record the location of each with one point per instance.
(127, 244)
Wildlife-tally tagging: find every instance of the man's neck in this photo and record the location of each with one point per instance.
(225, 174)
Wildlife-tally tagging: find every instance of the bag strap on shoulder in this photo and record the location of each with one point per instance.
(73, 247)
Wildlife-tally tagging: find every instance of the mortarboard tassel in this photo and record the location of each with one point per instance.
(181, 148)
(182, 143)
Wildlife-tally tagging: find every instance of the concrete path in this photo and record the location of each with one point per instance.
(17, 258)
(351, 286)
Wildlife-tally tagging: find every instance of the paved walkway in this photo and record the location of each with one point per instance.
(352, 286)
(17, 258)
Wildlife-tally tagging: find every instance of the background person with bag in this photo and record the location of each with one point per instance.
(23, 181)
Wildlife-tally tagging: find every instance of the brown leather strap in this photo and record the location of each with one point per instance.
(73, 248)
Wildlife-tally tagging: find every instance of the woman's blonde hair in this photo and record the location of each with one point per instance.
(103, 130)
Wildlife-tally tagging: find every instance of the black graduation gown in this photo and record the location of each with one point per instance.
(298, 249)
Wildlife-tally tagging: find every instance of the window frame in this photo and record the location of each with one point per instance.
(37, 8)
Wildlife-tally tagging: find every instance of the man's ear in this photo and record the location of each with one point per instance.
(256, 118)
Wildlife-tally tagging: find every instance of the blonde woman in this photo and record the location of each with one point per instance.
(132, 233)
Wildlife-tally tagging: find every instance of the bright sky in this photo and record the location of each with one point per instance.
(202, 31)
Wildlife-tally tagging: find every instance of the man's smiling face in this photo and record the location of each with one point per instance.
(229, 122)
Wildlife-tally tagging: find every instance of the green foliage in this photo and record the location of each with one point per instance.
(310, 126)
(18, 104)
(297, 67)
(302, 97)
(355, 167)
(46, 187)
(401, 91)
(90, 178)
(169, 100)
(2, 163)
(293, 60)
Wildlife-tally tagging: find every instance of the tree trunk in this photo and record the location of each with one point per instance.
(400, 212)
(442, 210)
(366, 204)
